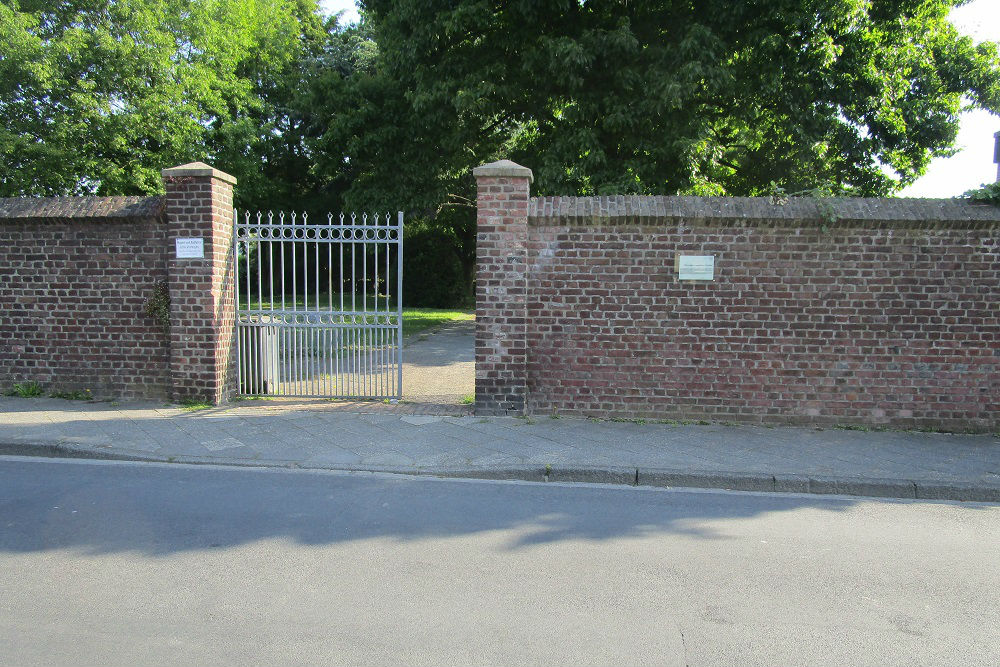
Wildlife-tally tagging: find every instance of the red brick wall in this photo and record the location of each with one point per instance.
(76, 274)
(74, 277)
(853, 312)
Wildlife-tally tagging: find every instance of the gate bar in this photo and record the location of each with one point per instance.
(399, 306)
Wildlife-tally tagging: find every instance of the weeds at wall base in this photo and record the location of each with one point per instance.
(34, 390)
(836, 427)
(25, 390)
(78, 395)
(879, 428)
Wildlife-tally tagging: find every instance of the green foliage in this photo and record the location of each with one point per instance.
(96, 96)
(75, 395)
(989, 193)
(157, 305)
(432, 268)
(821, 194)
(659, 97)
(714, 97)
(416, 320)
(380, 153)
(26, 390)
(194, 405)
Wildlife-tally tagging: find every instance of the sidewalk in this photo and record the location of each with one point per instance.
(377, 437)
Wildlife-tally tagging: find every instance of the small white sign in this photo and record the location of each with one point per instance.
(695, 267)
(190, 248)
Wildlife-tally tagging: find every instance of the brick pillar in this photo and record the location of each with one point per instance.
(199, 205)
(501, 287)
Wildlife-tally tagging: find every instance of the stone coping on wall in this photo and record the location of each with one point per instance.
(81, 209)
(761, 211)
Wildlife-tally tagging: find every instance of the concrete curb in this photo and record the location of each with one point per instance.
(962, 490)
(60, 451)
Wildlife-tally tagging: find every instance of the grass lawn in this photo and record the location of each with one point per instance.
(415, 320)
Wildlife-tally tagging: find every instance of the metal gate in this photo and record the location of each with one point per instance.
(318, 306)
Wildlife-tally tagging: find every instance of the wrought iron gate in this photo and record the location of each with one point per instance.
(318, 306)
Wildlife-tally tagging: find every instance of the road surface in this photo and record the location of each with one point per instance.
(123, 563)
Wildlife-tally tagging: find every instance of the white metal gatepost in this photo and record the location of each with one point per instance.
(319, 306)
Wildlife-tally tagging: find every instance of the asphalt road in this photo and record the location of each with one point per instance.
(122, 563)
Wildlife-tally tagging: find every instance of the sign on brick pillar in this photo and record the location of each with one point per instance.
(996, 153)
(503, 189)
(199, 208)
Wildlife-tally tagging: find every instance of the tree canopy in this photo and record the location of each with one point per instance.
(96, 96)
(596, 96)
(714, 97)
(679, 96)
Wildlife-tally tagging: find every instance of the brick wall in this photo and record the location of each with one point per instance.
(836, 312)
(74, 276)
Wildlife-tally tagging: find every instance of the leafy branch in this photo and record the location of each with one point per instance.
(158, 305)
(989, 193)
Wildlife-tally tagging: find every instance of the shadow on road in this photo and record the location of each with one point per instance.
(158, 510)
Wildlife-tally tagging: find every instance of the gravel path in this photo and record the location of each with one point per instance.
(440, 366)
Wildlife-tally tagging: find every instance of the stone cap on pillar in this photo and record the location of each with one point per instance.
(198, 169)
(503, 168)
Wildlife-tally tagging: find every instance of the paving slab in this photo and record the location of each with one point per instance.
(397, 438)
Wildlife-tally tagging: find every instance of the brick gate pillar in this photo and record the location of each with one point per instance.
(199, 209)
(503, 189)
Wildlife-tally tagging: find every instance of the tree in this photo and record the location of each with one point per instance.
(382, 155)
(669, 96)
(712, 97)
(96, 96)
